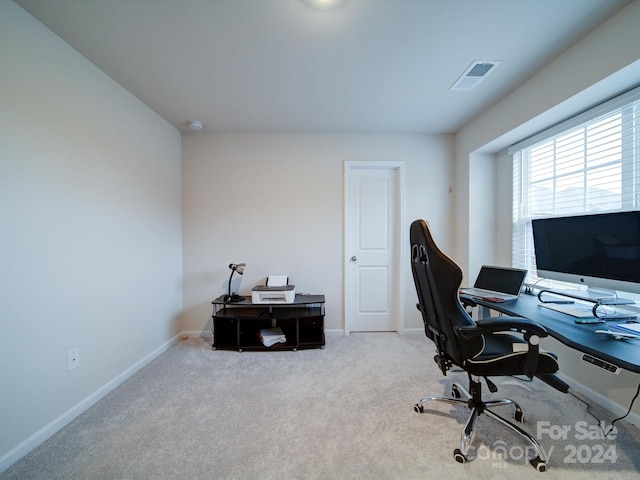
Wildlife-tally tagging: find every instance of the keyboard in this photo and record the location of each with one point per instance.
(574, 309)
(632, 308)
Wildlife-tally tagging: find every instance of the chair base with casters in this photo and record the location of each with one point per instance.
(461, 397)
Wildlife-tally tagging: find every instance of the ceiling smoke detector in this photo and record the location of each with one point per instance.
(196, 125)
(473, 75)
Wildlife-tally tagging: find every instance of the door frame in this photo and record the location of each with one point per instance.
(401, 249)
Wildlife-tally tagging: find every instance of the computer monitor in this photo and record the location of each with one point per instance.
(600, 251)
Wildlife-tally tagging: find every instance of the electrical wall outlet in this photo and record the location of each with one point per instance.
(73, 359)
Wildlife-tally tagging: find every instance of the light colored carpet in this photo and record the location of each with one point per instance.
(345, 412)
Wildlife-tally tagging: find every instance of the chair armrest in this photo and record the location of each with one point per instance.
(531, 331)
(503, 324)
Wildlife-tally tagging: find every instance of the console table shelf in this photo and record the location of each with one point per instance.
(236, 325)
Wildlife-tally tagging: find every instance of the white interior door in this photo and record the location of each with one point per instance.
(372, 237)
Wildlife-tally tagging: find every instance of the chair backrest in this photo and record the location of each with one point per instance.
(438, 279)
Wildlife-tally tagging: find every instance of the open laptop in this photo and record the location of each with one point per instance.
(498, 284)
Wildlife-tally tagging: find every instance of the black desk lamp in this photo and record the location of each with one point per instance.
(235, 267)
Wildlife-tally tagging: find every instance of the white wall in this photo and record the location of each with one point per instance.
(603, 64)
(481, 192)
(90, 242)
(276, 202)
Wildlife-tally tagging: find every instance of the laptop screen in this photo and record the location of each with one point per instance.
(498, 279)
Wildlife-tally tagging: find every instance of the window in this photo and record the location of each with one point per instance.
(588, 164)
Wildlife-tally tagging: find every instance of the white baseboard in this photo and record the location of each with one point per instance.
(337, 332)
(600, 399)
(415, 331)
(340, 332)
(57, 424)
(204, 334)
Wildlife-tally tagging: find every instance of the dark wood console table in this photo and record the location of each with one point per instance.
(236, 325)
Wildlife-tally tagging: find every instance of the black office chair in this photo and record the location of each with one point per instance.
(490, 347)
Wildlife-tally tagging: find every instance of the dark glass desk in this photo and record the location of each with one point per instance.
(582, 337)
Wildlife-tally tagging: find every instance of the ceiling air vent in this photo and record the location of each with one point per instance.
(473, 75)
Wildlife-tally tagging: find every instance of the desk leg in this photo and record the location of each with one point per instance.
(483, 312)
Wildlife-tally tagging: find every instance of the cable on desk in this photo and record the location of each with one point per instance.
(529, 288)
(615, 420)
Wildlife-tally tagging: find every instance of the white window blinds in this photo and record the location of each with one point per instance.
(588, 164)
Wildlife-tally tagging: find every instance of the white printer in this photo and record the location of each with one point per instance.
(277, 290)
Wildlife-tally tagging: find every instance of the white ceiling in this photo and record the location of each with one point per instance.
(369, 66)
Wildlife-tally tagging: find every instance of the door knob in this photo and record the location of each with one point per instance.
(354, 258)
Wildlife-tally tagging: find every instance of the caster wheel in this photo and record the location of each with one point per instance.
(418, 408)
(519, 416)
(459, 456)
(455, 393)
(538, 464)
